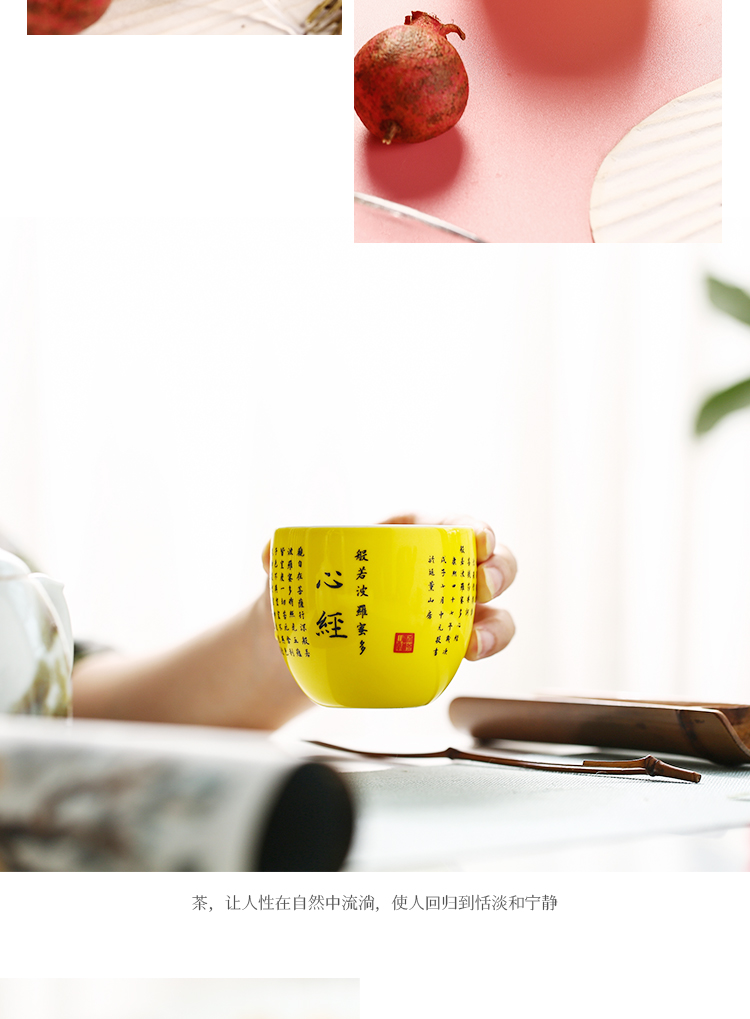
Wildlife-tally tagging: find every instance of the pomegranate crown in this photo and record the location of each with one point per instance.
(436, 23)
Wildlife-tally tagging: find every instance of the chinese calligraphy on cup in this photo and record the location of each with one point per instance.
(373, 617)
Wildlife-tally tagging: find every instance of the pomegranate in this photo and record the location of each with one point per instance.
(62, 17)
(410, 84)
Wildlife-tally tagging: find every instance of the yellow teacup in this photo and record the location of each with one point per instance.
(373, 617)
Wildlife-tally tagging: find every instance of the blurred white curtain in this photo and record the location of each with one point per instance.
(174, 389)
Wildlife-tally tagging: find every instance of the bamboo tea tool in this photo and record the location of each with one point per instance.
(643, 766)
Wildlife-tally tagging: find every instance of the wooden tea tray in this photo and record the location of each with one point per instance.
(715, 732)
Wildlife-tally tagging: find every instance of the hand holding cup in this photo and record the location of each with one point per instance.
(382, 616)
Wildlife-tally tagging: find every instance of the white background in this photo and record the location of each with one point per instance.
(178, 998)
(153, 360)
(634, 945)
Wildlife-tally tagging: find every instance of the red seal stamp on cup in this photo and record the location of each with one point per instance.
(404, 643)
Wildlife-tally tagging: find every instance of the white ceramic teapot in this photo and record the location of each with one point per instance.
(36, 642)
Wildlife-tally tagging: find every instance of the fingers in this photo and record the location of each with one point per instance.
(484, 534)
(405, 518)
(493, 631)
(266, 557)
(495, 574)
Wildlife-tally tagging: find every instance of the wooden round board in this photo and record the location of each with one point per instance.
(662, 182)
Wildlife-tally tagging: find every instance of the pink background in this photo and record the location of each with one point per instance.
(554, 85)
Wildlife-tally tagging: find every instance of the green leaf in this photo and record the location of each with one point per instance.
(722, 403)
(732, 300)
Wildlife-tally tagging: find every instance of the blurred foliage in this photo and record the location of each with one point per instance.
(734, 302)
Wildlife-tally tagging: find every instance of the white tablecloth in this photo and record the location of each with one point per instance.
(456, 815)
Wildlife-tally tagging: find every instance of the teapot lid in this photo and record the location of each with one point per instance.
(11, 566)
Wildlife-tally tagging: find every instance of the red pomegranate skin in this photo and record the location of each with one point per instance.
(410, 84)
(62, 17)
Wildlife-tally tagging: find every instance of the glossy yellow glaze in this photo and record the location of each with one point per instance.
(373, 617)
